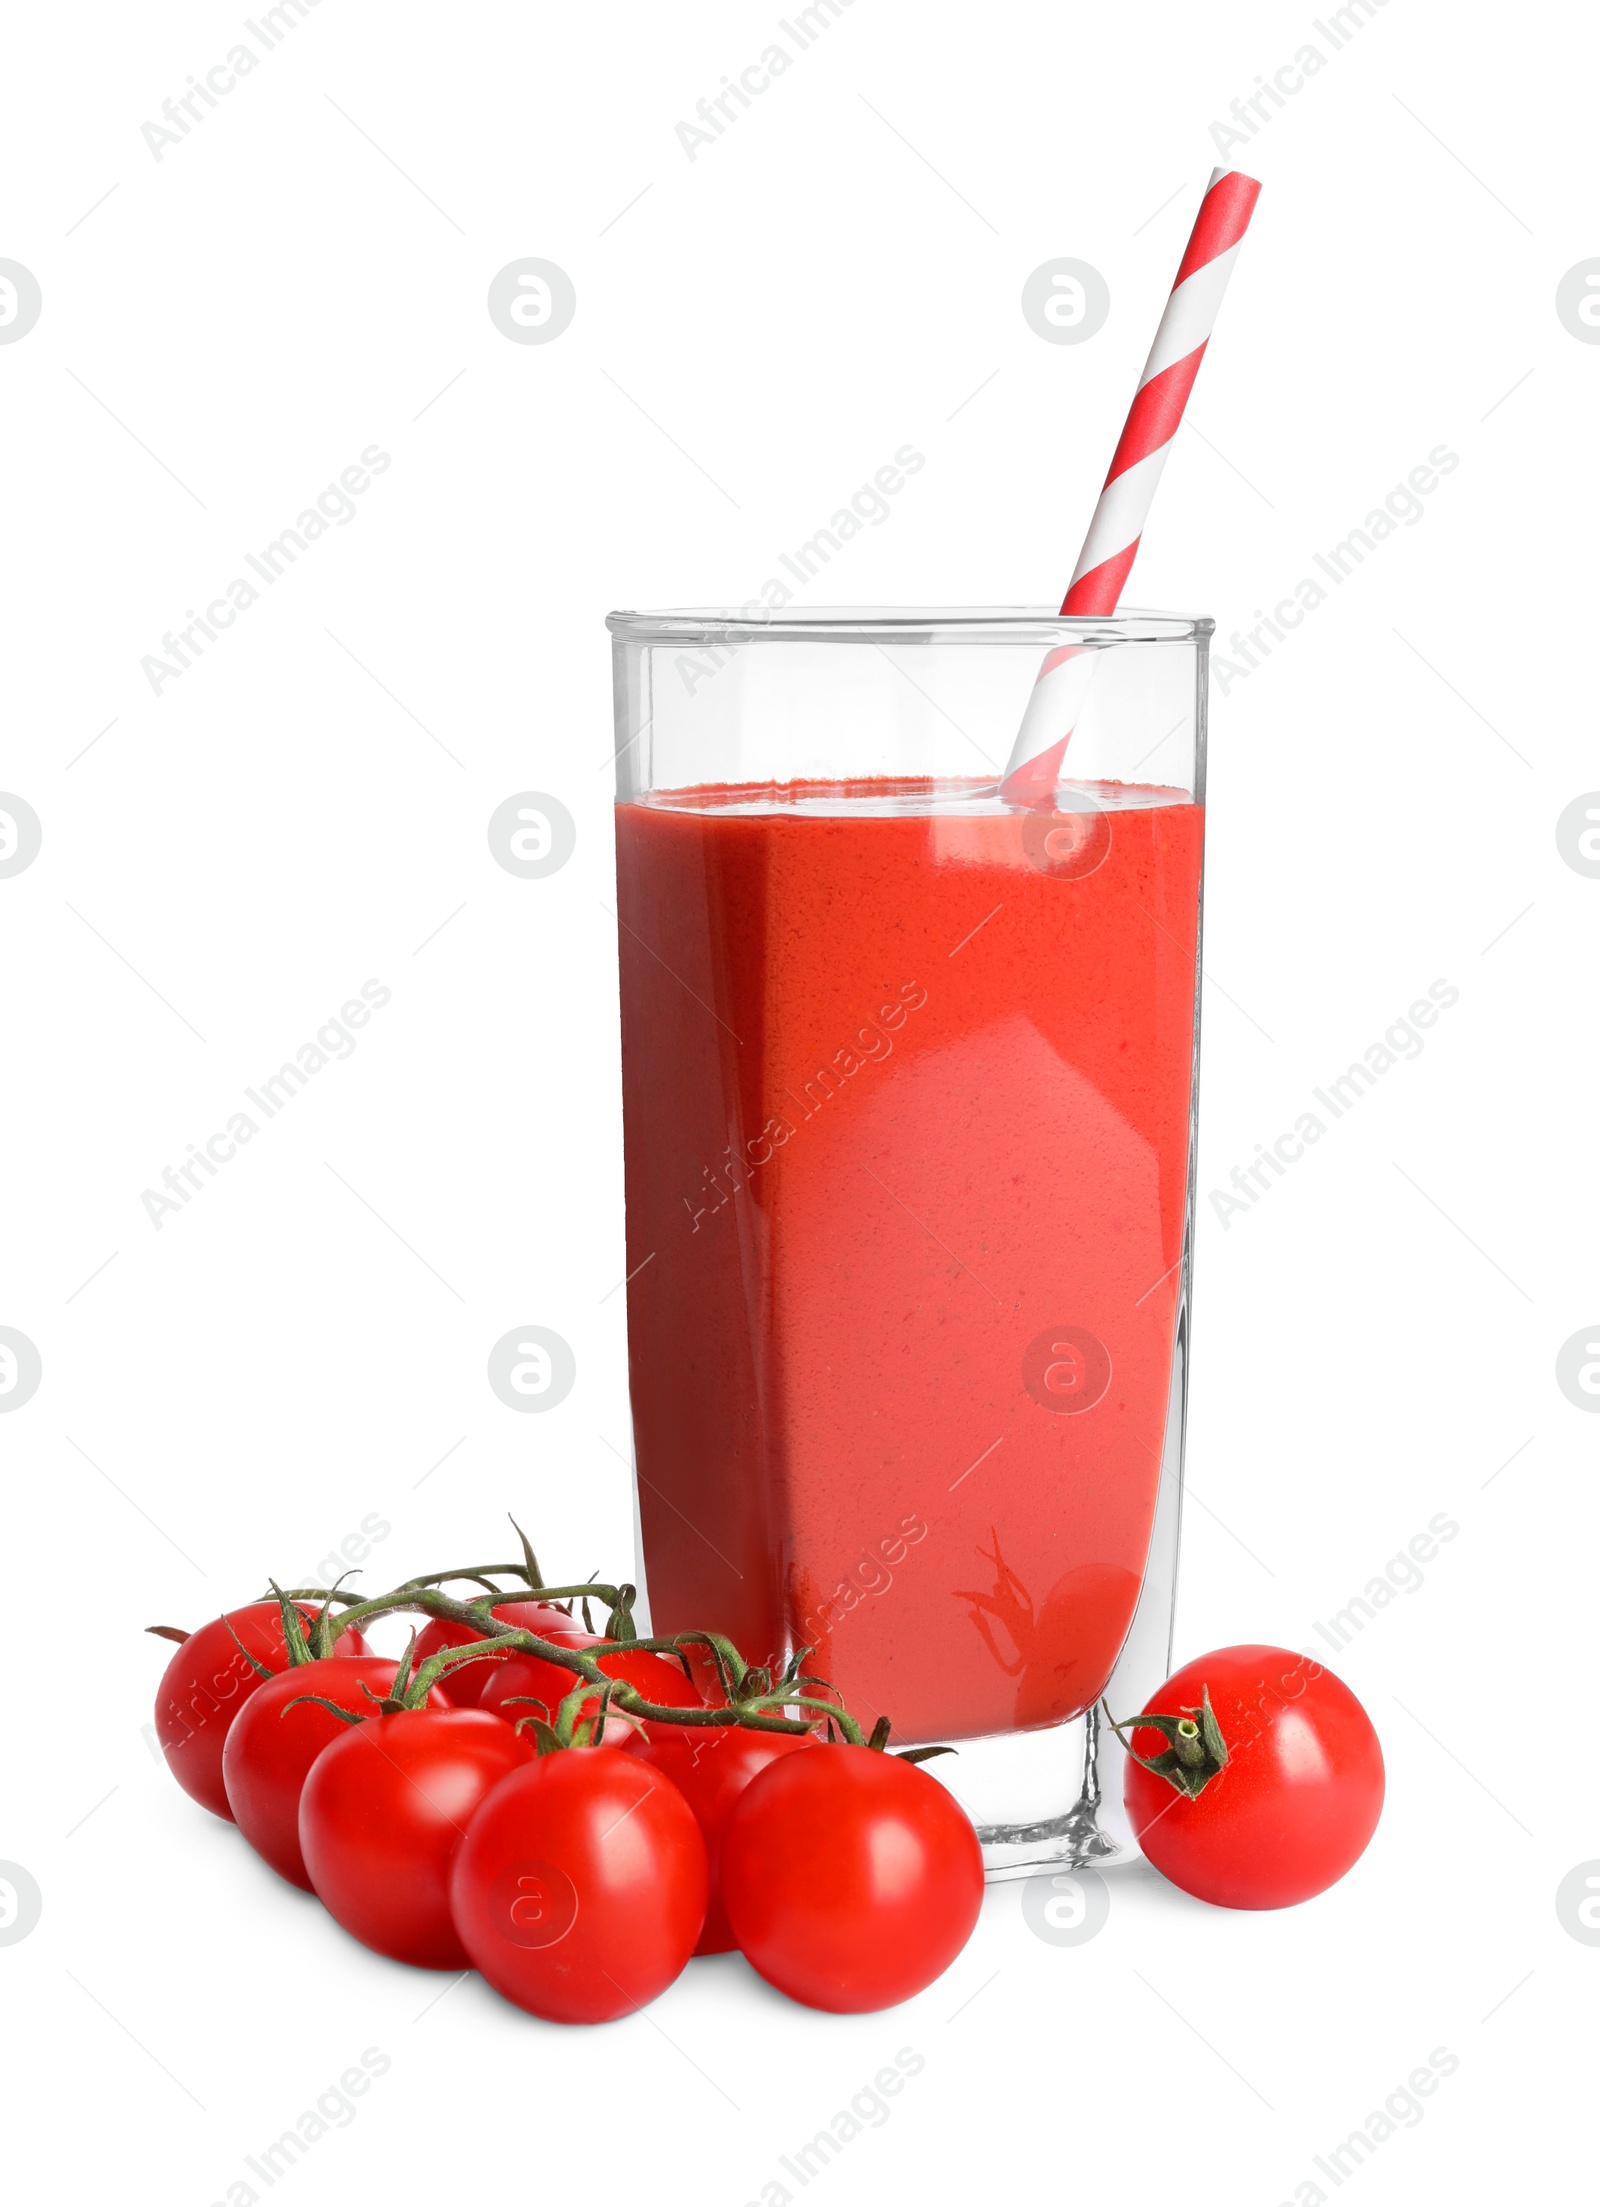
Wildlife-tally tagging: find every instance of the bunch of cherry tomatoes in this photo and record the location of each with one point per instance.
(498, 1813)
(575, 1814)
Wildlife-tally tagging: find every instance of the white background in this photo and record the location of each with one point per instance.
(224, 864)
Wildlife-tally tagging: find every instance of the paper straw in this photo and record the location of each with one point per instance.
(1130, 485)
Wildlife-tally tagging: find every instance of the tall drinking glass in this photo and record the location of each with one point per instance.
(908, 1096)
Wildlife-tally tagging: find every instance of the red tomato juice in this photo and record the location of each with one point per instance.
(907, 1083)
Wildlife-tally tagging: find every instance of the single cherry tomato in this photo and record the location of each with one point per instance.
(1295, 1802)
(208, 1682)
(463, 1686)
(851, 1879)
(382, 1813)
(580, 1887)
(523, 1680)
(711, 1769)
(272, 1745)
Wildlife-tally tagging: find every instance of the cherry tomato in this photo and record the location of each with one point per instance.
(463, 1686)
(1296, 1801)
(208, 1682)
(272, 1745)
(383, 1811)
(526, 1679)
(851, 1879)
(580, 1887)
(711, 1769)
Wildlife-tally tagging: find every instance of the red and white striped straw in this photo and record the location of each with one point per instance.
(1141, 454)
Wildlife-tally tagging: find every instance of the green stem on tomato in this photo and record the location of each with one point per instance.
(1196, 1751)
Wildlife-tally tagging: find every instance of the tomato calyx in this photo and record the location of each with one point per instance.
(1196, 1750)
(170, 1632)
(307, 1638)
(579, 1720)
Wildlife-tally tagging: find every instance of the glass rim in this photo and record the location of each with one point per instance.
(877, 624)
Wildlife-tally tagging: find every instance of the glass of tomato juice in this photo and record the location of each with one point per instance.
(908, 1098)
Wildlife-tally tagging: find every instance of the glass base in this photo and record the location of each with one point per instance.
(1037, 1798)
(1059, 1842)
(1070, 1842)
